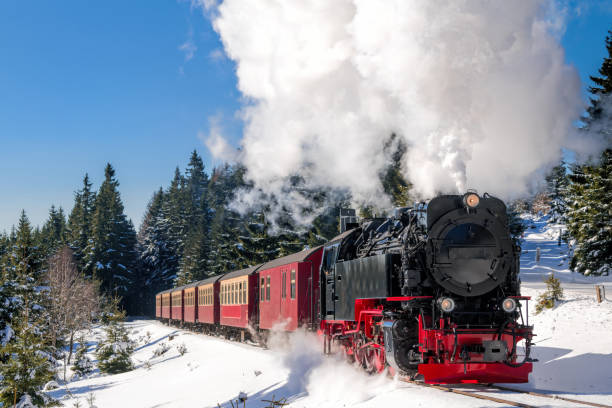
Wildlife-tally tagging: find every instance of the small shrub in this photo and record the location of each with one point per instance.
(91, 399)
(182, 349)
(82, 363)
(161, 349)
(553, 294)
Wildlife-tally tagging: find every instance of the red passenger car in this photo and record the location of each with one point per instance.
(237, 294)
(190, 296)
(158, 306)
(208, 300)
(176, 312)
(165, 308)
(288, 290)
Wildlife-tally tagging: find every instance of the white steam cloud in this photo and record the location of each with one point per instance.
(479, 91)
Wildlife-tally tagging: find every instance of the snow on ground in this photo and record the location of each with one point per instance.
(574, 340)
(573, 346)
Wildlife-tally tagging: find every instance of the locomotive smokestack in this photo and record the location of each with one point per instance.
(348, 219)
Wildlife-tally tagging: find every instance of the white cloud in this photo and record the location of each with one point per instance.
(188, 48)
(216, 54)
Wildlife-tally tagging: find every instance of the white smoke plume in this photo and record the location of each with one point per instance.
(479, 91)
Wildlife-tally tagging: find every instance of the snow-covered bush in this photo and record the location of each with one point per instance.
(161, 349)
(182, 349)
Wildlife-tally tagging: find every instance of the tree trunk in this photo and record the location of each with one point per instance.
(71, 345)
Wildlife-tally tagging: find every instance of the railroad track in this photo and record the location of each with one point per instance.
(480, 391)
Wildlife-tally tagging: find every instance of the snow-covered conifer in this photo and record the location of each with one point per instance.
(111, 252)
(114, 352)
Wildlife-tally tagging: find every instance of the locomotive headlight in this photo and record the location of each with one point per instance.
(471, 200)
(509, 305)
(447, 305)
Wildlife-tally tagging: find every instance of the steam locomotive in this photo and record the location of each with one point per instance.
(432, 291)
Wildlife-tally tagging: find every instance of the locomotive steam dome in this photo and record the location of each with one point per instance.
(469, 249)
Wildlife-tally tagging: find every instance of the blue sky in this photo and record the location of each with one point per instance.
(85, 83)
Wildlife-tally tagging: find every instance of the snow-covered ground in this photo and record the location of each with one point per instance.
(573, 345)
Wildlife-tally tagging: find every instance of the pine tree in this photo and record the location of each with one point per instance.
(26, 364)
(590, 191)
(5, 244)
(114, 352)
(82, 363)
(256, 244)
(26, 355)
(25, 264)
(516, 225)
(553, 294)
(53, 233)
(290, 239)
(327, 224)
(79, 221)
(110, 252)
(155, 274)
(173, 223)
(393, 182)
(557, 183)
(589, 213)
(603, 83)
(196, 183)
(225, 223)
(196, 248)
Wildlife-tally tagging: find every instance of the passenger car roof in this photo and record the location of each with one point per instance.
(289, 259)
(241, 272)
(206, 281)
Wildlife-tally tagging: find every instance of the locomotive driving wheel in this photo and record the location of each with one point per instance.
(368, 356)
(376, 359)
(359, 351)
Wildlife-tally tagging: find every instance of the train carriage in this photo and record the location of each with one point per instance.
(158, 306)
(166, 309)
(288, 289)
(238, 298)
(208, 300)
(176, 311)
(190, 296)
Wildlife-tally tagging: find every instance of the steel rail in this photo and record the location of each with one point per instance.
(552, 396)
(470, 394)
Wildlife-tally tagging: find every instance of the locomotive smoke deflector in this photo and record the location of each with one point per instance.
(467, 249)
